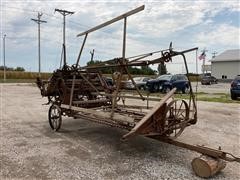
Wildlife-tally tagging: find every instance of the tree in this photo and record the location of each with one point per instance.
(103, 70)
(144, 70)
(19, 69)
(162, 69)
(12, 69)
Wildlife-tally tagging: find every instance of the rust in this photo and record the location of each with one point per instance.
(83, 92)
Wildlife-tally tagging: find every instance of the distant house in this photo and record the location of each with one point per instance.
(226, 65)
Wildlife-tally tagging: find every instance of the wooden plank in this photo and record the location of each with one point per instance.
(129, 13)
(148, 116)
(105, 115)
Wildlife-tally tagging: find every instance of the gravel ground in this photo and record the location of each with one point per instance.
(85, 150)
(213, 88)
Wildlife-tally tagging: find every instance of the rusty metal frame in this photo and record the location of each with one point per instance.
(98, 101)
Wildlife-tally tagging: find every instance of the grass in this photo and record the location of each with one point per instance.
(222, 99)
(22, 75)
(201, 96)
(18, 81)
(30, 77)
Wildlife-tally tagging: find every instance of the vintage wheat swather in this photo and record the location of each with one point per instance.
(82, 92)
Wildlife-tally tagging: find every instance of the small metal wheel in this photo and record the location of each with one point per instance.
(55, 117)
(177, 117)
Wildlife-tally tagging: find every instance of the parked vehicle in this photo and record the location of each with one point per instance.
(165, 83)
(140, 82)
(208, 80)
(235, 88)
(109, 81)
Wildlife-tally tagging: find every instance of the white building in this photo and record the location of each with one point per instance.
(226, 65)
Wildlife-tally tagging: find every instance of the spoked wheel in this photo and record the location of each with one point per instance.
(177, 116)
(55, 117)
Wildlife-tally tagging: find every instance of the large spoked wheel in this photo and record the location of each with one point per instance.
(55, 117)
(177, 117)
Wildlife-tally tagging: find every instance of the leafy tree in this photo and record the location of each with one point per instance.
(144, 70)
(19, 69)
(12, 69)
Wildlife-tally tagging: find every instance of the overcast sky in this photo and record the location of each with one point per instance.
(213, 25)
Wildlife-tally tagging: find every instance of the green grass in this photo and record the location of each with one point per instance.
(201, 96)
(222, 99)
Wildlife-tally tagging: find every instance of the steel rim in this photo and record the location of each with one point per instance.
(177, 116)
(55, 117)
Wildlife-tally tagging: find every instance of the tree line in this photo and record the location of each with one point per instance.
(143, 70)
(12, 69)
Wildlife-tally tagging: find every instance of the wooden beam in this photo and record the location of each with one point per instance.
(148, 116)
(101, 114)
(134, 11)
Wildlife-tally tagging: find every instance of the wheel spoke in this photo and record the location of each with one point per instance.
(180, 107)
(176, 116)
(55, 117)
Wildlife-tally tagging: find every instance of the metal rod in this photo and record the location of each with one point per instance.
(140, 63)
(4, 61)
(124, 38)
(72, 91)
(190, 84)
(128, 97)
(39, 49)
(64, 41)
(80, 53)
(200, 149)
(148, 54)
(113, 20)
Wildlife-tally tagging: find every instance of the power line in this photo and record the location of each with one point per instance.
(50, 15)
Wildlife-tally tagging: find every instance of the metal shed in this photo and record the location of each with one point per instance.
(226, 65)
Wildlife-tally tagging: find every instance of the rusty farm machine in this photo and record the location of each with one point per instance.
(83, 92)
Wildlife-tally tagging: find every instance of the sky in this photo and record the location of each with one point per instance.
(207, 24)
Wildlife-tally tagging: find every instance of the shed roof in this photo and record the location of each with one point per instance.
(228, 55)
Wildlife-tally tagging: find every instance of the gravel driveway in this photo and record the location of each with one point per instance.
(85, 150)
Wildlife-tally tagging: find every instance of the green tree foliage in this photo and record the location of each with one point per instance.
(12, 69)
(144, 70)
(162, 69)
(19, 69)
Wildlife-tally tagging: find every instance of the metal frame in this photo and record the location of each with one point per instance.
(83, 92)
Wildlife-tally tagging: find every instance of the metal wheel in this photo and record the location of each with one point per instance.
(55, 117)
(177, 116)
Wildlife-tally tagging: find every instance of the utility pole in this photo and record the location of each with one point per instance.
(64, 13)
(39, 21)
(214, 54)
(204, 58)
(92, 54)
(4, 63)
